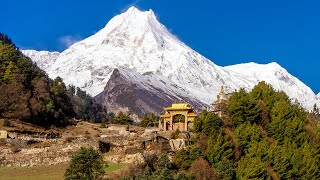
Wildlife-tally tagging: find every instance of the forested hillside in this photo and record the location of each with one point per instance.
(27, 93)
(264, 136)
(84, 106)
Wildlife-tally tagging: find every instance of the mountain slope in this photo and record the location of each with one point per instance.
(44, 59)
(135, 41)
(280, 79)
(130, 91)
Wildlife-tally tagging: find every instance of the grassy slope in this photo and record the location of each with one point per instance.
(34, 173)
(53, 172)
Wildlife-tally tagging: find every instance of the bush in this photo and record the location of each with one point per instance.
(103, 123)
(85, 164)
(122, 118)
(7, 123)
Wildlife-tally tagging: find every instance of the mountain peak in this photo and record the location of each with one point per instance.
(137, 41)
(132, 12)
(133, 9)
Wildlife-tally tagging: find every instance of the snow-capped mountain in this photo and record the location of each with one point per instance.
(128, 90)
(44, 59)
(135, 41)
(280, 79)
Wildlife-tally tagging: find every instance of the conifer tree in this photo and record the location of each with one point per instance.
(84, 165)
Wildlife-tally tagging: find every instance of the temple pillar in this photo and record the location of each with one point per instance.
(186, 123)
(171, 122)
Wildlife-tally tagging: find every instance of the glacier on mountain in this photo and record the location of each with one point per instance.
(137, 41)
(44, 59)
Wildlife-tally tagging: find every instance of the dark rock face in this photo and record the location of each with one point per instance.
(129, 91)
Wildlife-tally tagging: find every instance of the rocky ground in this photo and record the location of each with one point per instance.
(36, 146)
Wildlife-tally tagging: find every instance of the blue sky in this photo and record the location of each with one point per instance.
(227, 32)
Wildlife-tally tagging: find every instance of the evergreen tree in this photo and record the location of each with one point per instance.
(86, 164)
(315, 109)
(208, 123)
(251, 168)
(243, 107)
(219, 147)
(149, 120)
(26, 91)
(84, 106)
(122, 118)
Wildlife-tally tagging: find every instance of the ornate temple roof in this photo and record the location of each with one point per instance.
(165, 115)
(179, 106)
(192, 114)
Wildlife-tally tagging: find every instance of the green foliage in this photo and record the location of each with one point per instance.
(84, 106)
(246, 134)
(160, 169)
(163, 174)
(276, 138)
(225, 168)
(287, 121)
(7, 123)
(149, 120)
(242, 107)
(163, 162)
(307, 160)
(283, 160)
(183, 176)
(61, 101)
(219, 147)
(315, 109)
(86, 164)
(251, 168)
(103, 123)
(265, 92)
(185, 157)
(26, 91)
(10, 72)
(122, 118)
(5, 39)
(262, 150)
(208, 123)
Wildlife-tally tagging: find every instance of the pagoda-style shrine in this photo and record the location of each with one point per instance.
(178, 116)
(220, 105)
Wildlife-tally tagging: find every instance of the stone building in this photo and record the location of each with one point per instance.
(178, 116)
(220, 105)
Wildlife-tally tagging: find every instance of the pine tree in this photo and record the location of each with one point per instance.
(84, 165)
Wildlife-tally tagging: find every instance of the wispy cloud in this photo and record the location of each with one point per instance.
(67, 41)
(134, 3)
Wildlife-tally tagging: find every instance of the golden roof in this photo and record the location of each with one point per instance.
(179, 106)
(165, 115)
(191, 114)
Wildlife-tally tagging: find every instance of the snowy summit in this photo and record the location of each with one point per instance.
(135, 41)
